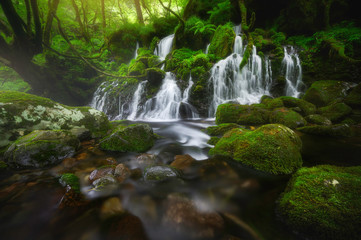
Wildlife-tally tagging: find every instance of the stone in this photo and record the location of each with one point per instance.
(287, 117)
(272, 148)
(122, 172)
(318, 120)
(111, 207)
(41, 148)
(132, 138)
(160, 173)
(335, 112)
(323, 202)
(182, 162)
(337, 130)
(101, 172)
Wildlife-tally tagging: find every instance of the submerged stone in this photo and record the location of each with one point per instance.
(41, 148)
(160, 173)
(272, 148)
(323, 202)
(132, 138)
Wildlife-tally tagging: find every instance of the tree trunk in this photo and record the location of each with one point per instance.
(103, 16)
(139, 12)
(53, 6)
(78, 19)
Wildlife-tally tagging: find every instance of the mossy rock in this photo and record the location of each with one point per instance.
(287, 117)
(137, 68)
(272, 103)
(132, 138)
(318, 120)
(307, 108)
(354, 98)
(213, 140)
(41, 148)
(323, 202)
(160, 173)
(335, 112)
(241, 114)
(272, 148)
(222, 42)
(221, 129)
(337, 130)
(322, 93)
(155, 76)
(71, 180)
(21, 113)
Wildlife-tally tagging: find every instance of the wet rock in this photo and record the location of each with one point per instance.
(183, 218)
(104, 181)
(318, 120)
(306, 108)
(354, 98)
(125, 227)
(272, 148)
(335, 112)
(122, 172)
(72, 199)
(41, 148)
(155, 76)
(182, 162)
(241, 114)
(70, 180)
(337, 130)
(222, 42)
(69, 162)
(110, 207)
(145, 160)
(132, 138)
(287, 117)
(160, 173)
(323, 202)
(322, 93)
(101, 172)
(21, 113)
(221, 129)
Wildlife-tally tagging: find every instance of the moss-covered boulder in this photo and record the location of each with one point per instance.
(221, 129)
(70, 180)
(322, 93)
(272, 103)
(132, 138)
(21, 113)
(323, 202)
(272, 148)
(155, 76)
(287, 117)
(241, 114)
(354, 97)
(318, 120)
(137, 69)
(337, 130)
(41, 148)
(307, 108)
(335, 112)
(222, 42)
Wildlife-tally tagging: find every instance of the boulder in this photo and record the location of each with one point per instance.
(335, 112)
(160, 173)
(272, 148)
(287, 117)
(337, 130)
(132, 138)
(318, 120)
(322, 93)
(21, 113)
(241, 114)
(222, 42)
(221, 129)
(41, 148)
(307, 108)
(323, 202)
(354, 98)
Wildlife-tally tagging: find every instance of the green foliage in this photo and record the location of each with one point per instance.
(202, 27)
(221, 14)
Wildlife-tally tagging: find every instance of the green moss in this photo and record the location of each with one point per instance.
(213, 140)
(20, 97)
(287, 117)
(321, 93)
(318, 120)
(70, 179)
(271, 148)
(221, 129)
(337, 130)
(222, 41)
(241, 114)
(133, 138)
(137, 68)
(354, 98)
(3, 165)
(272, 103)
(335, 112)
(307, 108)
(323, 202)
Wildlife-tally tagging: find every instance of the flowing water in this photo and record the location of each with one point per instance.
(291, 65)
(164, 47)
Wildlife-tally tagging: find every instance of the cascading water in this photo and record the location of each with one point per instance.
(291, 66)
(247, 86)
(136, 50)
(136, 100)
(164, 47)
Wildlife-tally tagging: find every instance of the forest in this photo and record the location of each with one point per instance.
(180, 119)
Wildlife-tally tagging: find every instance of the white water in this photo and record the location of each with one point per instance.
(164, 47)
(232, 85)
(207, 48)
(136, 50)
(136, 100)
(293, 72)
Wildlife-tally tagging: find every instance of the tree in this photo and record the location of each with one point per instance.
(139, 12)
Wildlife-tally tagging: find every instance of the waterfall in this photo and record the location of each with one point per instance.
(136, 50)
(237, 29)
(207, 48)
(136, 100)
(164, 47)
(293, 72)
(247, 86)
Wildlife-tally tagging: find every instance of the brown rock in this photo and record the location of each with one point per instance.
(182, 162)
(122, 172)
(99, 173)
(125, 227)
(110, 207)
